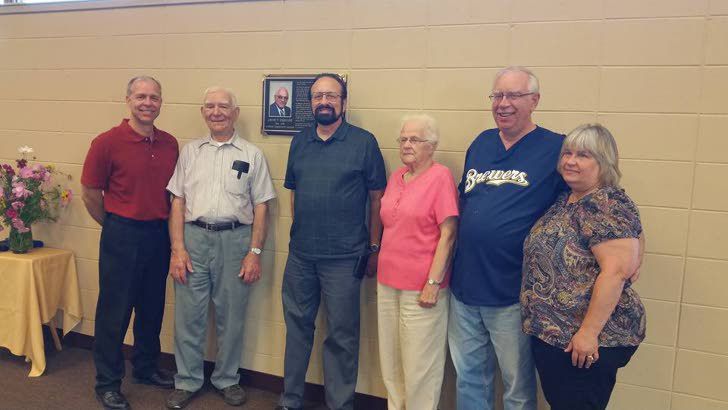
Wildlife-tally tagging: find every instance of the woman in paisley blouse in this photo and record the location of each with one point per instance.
(584, 319)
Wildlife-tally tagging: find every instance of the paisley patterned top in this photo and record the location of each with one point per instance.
(559, 269)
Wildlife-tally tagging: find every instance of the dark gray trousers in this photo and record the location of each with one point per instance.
(305, 283)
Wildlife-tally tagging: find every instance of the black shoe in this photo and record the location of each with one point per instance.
(179, 398)
(159, 378)
(233, 395)
(112, 400)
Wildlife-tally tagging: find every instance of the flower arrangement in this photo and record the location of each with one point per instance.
(26, 197)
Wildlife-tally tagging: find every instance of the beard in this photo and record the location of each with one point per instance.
(326, 118)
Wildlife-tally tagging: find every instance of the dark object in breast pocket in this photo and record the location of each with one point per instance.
(241, 167)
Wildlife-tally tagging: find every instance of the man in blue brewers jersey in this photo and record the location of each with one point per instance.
(508, 182)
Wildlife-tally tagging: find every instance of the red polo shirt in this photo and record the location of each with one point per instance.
(132, 170)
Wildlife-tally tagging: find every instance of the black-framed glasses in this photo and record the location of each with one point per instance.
(498, 97)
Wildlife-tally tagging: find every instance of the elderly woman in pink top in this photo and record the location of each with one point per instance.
(419, 213)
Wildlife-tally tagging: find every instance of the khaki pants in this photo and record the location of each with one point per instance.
(412, 347)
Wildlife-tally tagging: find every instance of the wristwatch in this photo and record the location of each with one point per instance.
(373, 247)
(256, 251)
(433, 282)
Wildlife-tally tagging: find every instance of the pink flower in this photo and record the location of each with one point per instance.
(11, 213)
(17, 205)
(26, 172)
(66, 197)
(19, 225)
(20, 191)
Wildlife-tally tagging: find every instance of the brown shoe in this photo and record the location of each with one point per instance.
(233, 395)
(179, 398)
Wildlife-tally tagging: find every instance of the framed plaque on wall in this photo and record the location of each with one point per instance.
(286, 103)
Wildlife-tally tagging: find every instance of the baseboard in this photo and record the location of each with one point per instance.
(258, 380)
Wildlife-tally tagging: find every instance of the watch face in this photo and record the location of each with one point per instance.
(256, 251)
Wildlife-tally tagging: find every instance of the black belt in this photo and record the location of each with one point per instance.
(222, 226)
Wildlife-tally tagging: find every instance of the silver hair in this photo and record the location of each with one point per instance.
(429, 126)
(144, 78)
(597, 139)
(216, 89)
(533, 86)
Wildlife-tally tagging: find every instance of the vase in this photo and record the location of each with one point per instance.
(20, 242)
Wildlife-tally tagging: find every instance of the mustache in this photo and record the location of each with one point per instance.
(321, 107)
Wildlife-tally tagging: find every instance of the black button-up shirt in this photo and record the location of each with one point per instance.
(332, 180)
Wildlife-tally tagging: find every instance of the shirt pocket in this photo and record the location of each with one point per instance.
(236, 182)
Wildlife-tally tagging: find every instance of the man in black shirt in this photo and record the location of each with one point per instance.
(333, 168)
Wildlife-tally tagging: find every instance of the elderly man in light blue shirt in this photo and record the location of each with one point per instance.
(217, 226)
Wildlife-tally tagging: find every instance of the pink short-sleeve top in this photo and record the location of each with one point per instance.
(411, 213)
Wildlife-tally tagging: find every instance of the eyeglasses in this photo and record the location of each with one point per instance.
(282, 97)
(329, 95)
(412, 140)
(498, 97)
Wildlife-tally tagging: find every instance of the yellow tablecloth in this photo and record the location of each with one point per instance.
(33, 287)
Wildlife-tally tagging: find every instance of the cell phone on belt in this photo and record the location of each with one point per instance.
(361, 265)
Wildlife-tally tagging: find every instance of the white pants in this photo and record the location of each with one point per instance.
(412, 347)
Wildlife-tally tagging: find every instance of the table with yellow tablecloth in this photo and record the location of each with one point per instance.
(33, 287)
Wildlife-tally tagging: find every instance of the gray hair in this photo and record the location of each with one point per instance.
(429, 126)
(533, 86)
(597, 139)
(144, 78)
(216, 89)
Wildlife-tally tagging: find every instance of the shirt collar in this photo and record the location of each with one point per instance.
(235, 141)
(339, 134)
(135, 136)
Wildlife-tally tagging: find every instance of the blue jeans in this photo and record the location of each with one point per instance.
(478, 335)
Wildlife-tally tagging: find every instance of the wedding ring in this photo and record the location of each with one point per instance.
(590, 358)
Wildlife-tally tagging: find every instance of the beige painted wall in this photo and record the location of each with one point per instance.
(655, 72)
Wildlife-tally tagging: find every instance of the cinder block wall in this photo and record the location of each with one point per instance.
(655, 72)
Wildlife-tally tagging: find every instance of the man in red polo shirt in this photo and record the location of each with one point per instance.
(124, 189)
